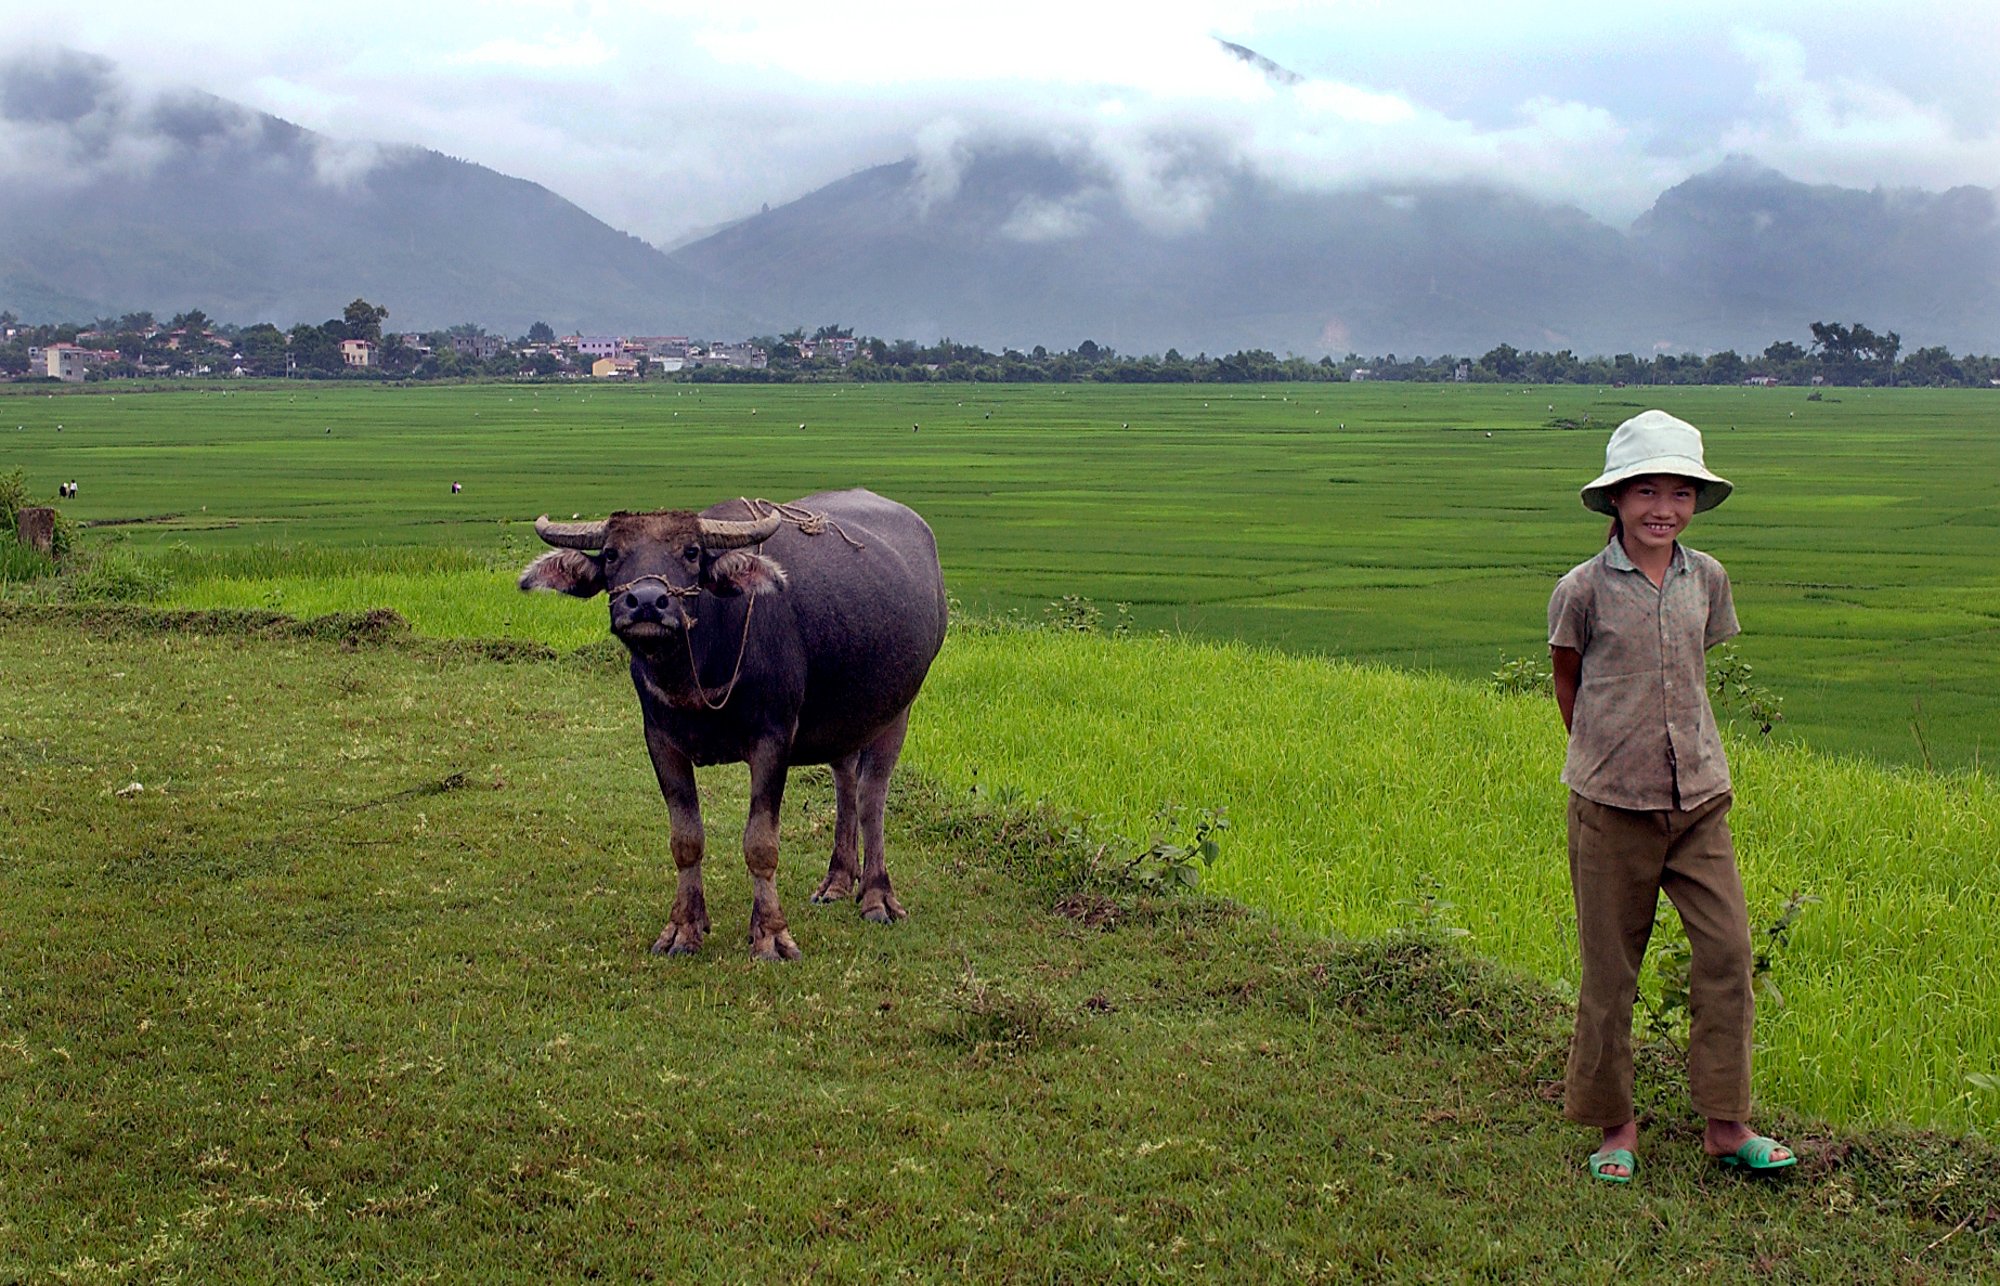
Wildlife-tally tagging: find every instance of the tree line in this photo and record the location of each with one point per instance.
(190, 343)
(1840, 354)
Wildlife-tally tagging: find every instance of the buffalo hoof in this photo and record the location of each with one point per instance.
(778, 946)
(835, 888)
(883, 910)
(678, 940)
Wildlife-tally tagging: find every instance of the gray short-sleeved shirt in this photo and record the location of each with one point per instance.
(1642, 734)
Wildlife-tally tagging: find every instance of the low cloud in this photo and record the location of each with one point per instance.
(1039, 219)
(1852, 130)
(69, 119)
(663, 116)
(942, 153)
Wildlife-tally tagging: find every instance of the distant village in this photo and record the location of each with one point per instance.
(165, 352)
(358, 346)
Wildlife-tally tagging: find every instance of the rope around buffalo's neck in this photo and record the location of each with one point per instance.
(694, 670)
(808, 522)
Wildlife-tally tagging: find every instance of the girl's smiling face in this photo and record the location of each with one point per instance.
(1654, 509)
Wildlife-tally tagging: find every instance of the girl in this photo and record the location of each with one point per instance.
(1650, 795)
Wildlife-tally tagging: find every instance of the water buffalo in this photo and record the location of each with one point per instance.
(771, 635)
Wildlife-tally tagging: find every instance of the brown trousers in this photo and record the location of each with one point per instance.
(1620, 861)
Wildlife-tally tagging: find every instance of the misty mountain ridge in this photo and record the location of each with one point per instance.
(1031, 246)
(191, 201)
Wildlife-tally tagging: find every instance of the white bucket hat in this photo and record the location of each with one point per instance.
(1655, 442)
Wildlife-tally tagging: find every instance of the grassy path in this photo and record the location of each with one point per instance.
(356, 988)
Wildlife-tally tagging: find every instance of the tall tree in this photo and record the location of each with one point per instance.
(1504, 361)
(263, 349)
(316, 348)
(363, 320)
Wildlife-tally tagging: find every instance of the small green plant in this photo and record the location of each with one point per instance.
(1525, 676)
(1666, 1007)
(1431, 914)
(1173, 856)
(1075, 614)
(1733, 681)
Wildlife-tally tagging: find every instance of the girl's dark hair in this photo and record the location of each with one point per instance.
(1617, 531)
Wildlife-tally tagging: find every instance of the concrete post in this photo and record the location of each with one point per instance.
(36, 528)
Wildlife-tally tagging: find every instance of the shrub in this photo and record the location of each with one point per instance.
(1525, 676)
(13, 496)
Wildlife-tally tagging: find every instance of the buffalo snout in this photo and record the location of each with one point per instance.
(641, 604)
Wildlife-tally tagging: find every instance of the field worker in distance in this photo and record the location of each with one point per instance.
(1650, 795)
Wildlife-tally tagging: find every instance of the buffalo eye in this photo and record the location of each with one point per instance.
(610, 555)
(691, 553)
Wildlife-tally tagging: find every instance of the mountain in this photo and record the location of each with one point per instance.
(114, 204)
(1749, 253)
(190, 201)
(1028, 246)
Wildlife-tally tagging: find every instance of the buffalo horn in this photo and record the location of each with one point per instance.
(571, 535)
(723, 533)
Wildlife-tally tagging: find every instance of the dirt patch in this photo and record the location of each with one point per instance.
(378, 628)
(132, 522)
(1091, 910)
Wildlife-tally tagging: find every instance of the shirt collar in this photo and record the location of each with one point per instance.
(1618, 560)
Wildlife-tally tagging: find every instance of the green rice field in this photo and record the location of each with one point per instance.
(1255, 534)
(1367, 521)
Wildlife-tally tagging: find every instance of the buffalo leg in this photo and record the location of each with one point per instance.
(688, 923)
(769, 938)
(845, 866)
(878, 761)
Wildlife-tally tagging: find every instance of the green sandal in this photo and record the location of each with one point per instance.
(1616, 1156)
(1755, 1154)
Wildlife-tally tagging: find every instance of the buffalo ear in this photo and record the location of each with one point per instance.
(567, 572)
(742, 572)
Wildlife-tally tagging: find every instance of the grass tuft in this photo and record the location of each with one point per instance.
(989, 1020)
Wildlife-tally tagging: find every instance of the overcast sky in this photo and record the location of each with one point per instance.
(667, 118)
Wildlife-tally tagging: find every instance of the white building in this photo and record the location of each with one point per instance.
(66, 361)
